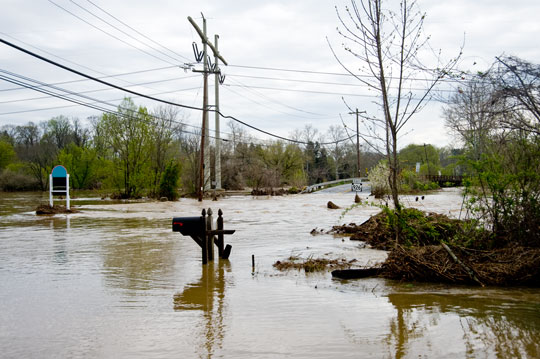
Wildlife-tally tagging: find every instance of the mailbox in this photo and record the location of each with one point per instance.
(189, 226)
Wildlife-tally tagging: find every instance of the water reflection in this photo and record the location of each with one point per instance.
(138, 262)
(208, 296)
(493, 326)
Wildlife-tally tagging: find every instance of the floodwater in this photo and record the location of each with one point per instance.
(113, 281)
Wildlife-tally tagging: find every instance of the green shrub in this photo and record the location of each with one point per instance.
(168, 186)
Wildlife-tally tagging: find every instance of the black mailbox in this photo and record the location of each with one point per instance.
(189, 226)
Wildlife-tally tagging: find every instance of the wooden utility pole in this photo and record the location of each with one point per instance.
(217, 162)
(357, 141)
(205, 132)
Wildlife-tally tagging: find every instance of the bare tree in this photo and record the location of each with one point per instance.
(386, 45)
(336, 133)
(471, 114)
(517, 85)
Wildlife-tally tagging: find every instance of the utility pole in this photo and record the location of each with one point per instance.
(427, 161)
(357, 141)
(217, 162)
(205, 132)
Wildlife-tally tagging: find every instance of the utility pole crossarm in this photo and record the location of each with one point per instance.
(205, 40)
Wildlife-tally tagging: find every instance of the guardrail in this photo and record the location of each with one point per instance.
(318, 186)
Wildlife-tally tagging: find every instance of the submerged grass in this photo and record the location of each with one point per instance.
(311, 264)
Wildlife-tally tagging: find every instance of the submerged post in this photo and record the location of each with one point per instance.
(220, 236)
(210, 237)
(204, 242)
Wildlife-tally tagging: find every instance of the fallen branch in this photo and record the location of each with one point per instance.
(458, 261)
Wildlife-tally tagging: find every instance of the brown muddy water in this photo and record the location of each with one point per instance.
(113, 281)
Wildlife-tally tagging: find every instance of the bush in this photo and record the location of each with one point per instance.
(378, 177)
(505, 191)
(11, 181)
(412, 182)
(168, 186)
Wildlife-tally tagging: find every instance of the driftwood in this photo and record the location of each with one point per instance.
(458, 261)
(356, 273)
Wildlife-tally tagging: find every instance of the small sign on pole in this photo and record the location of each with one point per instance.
(356, 185)
(59, 184)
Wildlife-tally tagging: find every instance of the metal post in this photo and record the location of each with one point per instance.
(218, 139)
(67, 191)
(50, 191)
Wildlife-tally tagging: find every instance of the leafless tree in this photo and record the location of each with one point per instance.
(517, 85)
(385, 44)
(471, 115)
(337, 151)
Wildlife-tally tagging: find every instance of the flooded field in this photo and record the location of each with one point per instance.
(114, 281)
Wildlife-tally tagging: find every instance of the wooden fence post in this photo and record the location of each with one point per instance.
(220, 236)
(210, 238)
(204, 242)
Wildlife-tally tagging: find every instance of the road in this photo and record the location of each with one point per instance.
(345, 188)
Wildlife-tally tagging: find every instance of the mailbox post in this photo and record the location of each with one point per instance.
(202, 232)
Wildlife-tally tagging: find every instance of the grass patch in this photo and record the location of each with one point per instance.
(311, 265)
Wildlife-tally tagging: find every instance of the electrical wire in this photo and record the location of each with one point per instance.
(68, 106)
(329, 73)
(108, 76)
(305, 91)
(109, 34)
(313, 82)
(42, 58)
(112, 112)
(86, 67)
(143, 35)
(102, 89)
(122, 31)
(278, 102)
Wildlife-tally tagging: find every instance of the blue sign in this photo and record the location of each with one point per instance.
(59, 171)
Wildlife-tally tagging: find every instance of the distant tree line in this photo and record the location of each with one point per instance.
(136, 152)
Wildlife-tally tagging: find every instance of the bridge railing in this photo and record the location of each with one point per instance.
(322, 185)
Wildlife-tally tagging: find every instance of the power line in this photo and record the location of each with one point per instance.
(93, 105)
(83, 66)
(151, 97)
(122, 31)
(109, 34)
(305, 91)
(329, 73)
(143, 35)
(102, 109)
(99, 90)
(310, 81)
(108, 76)
(269, 107)
(60, 107)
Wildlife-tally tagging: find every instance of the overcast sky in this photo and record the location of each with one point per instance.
(253, 35)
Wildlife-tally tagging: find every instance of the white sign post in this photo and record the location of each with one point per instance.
(59, 184)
